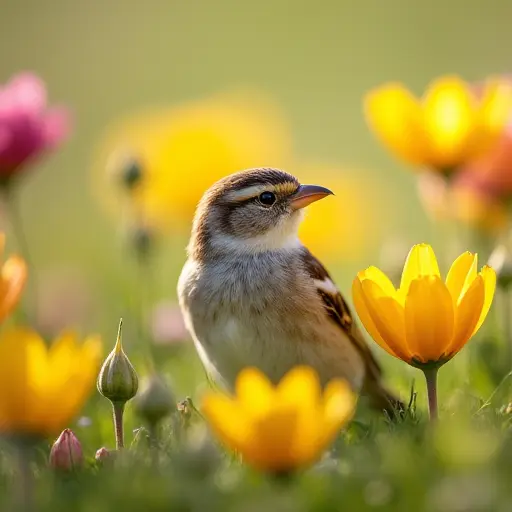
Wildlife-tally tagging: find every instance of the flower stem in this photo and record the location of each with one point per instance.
(25, 487)
(17, 226)
(506, 309)
(118, 410)
(431, 378)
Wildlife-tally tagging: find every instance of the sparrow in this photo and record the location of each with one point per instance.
(253, 295)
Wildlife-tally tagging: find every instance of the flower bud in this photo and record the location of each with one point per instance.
(155, 401)
(501, 261)
(117, 380)
(126, 169)
(66, 453)
(103, 454)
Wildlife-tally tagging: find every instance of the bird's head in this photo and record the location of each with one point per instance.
(251, 211)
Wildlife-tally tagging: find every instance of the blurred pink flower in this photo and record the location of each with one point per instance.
(167, 324)
(491, 175)
(27, 126)
(65, 299)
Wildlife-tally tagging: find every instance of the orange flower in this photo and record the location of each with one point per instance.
(13, 276)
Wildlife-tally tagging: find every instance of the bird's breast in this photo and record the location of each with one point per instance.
(257, 313)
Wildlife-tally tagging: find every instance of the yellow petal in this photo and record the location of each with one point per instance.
(300, 387)
(429, 318)
(467, 314)
(449, 116)
(254, 392)
(388, 317)
(24, 372)
(365, 317)
(395, 116)
(339, 407)
(495, 107)
(278, 443)
(461, 275)
(377, 276)
(421, 261)
(77, 366)
(489, 276)
(228, 421)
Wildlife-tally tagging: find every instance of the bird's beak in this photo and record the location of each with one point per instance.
(307, 194)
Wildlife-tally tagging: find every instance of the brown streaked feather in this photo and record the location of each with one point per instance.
(339, 312)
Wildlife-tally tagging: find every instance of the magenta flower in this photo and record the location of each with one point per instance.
(28, 127)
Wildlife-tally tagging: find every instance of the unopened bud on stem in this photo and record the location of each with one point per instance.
(66, 453)
(155, 400)
(118, 382)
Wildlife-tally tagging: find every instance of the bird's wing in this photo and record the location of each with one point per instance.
(338, 311)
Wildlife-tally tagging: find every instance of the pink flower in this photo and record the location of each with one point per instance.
(167, 324)
(27, 126)
(66, 453)
(491, 175)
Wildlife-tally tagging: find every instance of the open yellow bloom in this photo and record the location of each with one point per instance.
(426, 320)
(283, 427)
(41, 388)
(184, 149)
(450, 126)
(13, 276)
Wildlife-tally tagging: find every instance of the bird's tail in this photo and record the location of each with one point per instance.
(383, 400)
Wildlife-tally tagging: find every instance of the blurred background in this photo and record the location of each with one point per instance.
(202, 89)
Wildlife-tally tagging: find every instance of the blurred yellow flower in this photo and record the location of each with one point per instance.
(426, 321)
(168, 157)
(13, 276)
(447, 128)
(332, 228)
(41, 388)
(284, 427)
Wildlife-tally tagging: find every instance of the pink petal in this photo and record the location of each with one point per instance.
(5, 138)
(26, 92)
(56, 126)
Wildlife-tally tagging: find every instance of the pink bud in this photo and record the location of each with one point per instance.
(66, 453)
(103, 454)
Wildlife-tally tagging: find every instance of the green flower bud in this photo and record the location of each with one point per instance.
(155, 400)
(117, 380)
(501, 261)
(132, 173)
(125, 169)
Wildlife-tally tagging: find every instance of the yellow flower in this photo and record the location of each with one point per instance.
(328, 229)
(284, 427)
(13, 276)
(448, 127)
(426, 320)
(181, 151)
(41, 388)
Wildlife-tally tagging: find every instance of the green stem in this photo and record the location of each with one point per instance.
(25, 487)
(154, 444)
(506, 307)
(118, 410)
(431, 378)
(17, 226)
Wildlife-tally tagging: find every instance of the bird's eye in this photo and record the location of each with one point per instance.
(267, 198)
